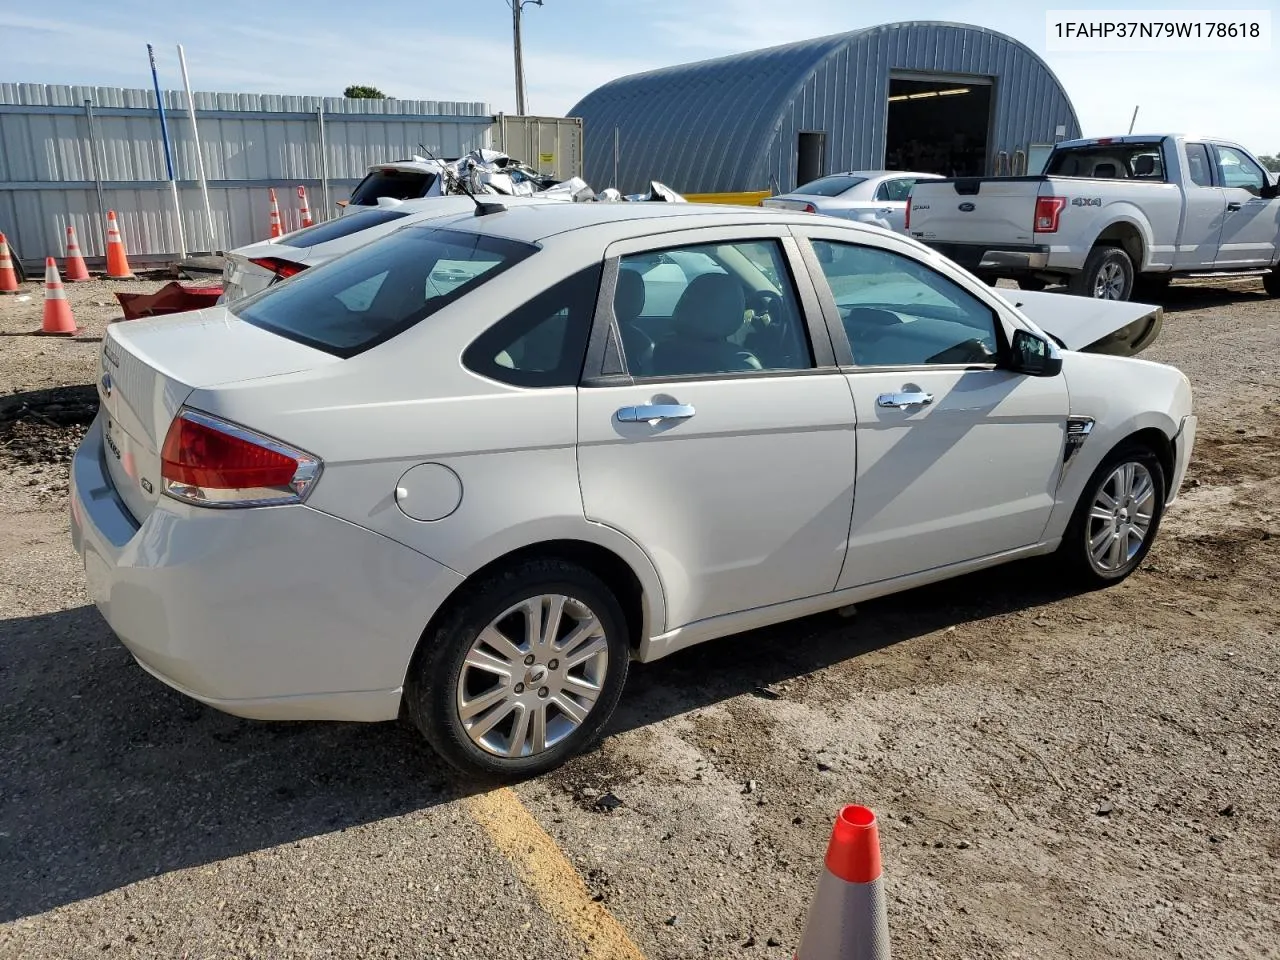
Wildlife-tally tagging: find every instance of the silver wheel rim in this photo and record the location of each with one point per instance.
(532, 676)
(1120, 517)
(1109, 284)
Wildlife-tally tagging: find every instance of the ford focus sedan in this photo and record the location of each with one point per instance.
(470, 472)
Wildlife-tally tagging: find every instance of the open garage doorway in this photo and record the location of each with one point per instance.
(938, 125)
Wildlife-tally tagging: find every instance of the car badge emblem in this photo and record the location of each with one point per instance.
(967, 207)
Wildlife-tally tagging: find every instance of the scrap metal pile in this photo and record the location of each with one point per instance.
(493, 172)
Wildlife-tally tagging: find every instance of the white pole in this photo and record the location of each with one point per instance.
(195, 133)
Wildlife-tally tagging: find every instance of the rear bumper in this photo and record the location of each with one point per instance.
(272, 613)
(1006, 258)
(1183, 442)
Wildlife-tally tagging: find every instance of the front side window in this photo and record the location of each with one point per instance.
(709, 309)
(1235, 169)
(372, 294)
(543, 342)
(898, 312)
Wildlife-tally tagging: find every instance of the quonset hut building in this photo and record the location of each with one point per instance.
(927, 97)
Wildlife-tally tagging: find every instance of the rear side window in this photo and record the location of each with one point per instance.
(1198, 165)
(831, 186)
(339, 228)
(543, 342)
(400, 184)
(380, 290)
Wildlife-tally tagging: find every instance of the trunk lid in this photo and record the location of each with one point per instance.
(1117, 327)
(148, 368)
(976, 209)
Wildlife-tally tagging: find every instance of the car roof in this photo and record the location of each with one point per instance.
(534, 223)
(874, 174)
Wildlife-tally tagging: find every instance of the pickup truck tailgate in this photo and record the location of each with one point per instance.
(996, 210)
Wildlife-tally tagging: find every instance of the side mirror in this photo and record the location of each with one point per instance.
(1033, 356)
(1269, 191)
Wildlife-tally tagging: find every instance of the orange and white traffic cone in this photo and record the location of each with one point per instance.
(304, 214)
(8, 275)
(277, 225)
(117, 261)
(848, 919)
(76, 270)
(57, 312)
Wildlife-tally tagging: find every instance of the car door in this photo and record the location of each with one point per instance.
(958, 458)
(1205, 210)
(891, 197)
(1251, 225)
(714, 428)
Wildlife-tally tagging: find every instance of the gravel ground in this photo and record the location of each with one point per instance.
(1057, 775)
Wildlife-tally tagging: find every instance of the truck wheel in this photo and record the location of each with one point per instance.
(1271, 282)
(1107, 275)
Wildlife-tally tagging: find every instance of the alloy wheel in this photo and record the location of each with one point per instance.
(1120, 517)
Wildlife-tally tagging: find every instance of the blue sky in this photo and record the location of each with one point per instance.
(461, 50)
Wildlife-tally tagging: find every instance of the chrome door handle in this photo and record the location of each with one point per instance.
(904, 400)
(656, 413)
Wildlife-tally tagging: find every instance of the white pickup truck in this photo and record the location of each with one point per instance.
(1110, 215)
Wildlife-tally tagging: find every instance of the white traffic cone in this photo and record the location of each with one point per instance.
(848, 919)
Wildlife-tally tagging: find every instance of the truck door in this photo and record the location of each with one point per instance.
(1251, 224)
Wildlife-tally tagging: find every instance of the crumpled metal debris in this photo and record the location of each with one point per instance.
(493, 172)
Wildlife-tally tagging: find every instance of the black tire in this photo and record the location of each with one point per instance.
(1100, 263)
(1034, 284)
(431, 688)
(1271, 282)
(990, 281)
(1074, 553)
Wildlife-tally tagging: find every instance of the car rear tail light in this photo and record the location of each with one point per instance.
(281, 268)
(215, 463)
(1048, 210)
(809, 208)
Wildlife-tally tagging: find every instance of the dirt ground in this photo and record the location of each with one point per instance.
(1057, 775)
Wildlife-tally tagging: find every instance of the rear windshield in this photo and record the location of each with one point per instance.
(399, 184)
(341, 227)
(1108, 161)
(380, 290)
(830, 186)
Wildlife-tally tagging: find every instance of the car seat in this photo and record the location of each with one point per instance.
(628, 304)
(711, 309)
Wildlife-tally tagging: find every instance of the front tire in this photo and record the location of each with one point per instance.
(1107, 275)
(1117, 517)
(523, 673)
(1271, 282)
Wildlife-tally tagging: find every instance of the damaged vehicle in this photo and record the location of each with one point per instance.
(473, 471)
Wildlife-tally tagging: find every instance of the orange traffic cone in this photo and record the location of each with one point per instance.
(57, 312)
(305, 212)
(8, 275)
(117, 262)
(848, 919)
(76, 270)
(277, 227)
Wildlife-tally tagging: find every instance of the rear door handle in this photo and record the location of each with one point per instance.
(904, 400)
(656, 413)
(1233, 206)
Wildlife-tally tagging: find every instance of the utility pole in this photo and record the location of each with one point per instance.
(516, 6)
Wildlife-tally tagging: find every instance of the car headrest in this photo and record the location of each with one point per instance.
(1104, 170)
(1145, 165)
(628, 296)
(711, 308)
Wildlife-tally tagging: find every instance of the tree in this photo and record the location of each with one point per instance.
(359, 91)
(1272, 162)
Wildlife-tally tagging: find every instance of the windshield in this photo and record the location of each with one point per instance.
(341, 227)
(1124, 161)
(831, 186)
(380, 290)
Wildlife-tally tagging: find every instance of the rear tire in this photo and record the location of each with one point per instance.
(1117, 517)
(1271, 282)
(480, 702)
(1107, 275)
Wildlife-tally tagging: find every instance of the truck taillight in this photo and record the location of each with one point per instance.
(907, 222)
(215, 463)
(1048, 211)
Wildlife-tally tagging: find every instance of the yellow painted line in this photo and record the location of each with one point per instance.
(543, 867)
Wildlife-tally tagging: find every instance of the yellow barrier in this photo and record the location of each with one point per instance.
(749, 198)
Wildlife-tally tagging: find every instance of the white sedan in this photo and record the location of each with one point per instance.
(864, 196)
(618, 430)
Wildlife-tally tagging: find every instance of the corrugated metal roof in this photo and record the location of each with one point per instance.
(730, 123)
